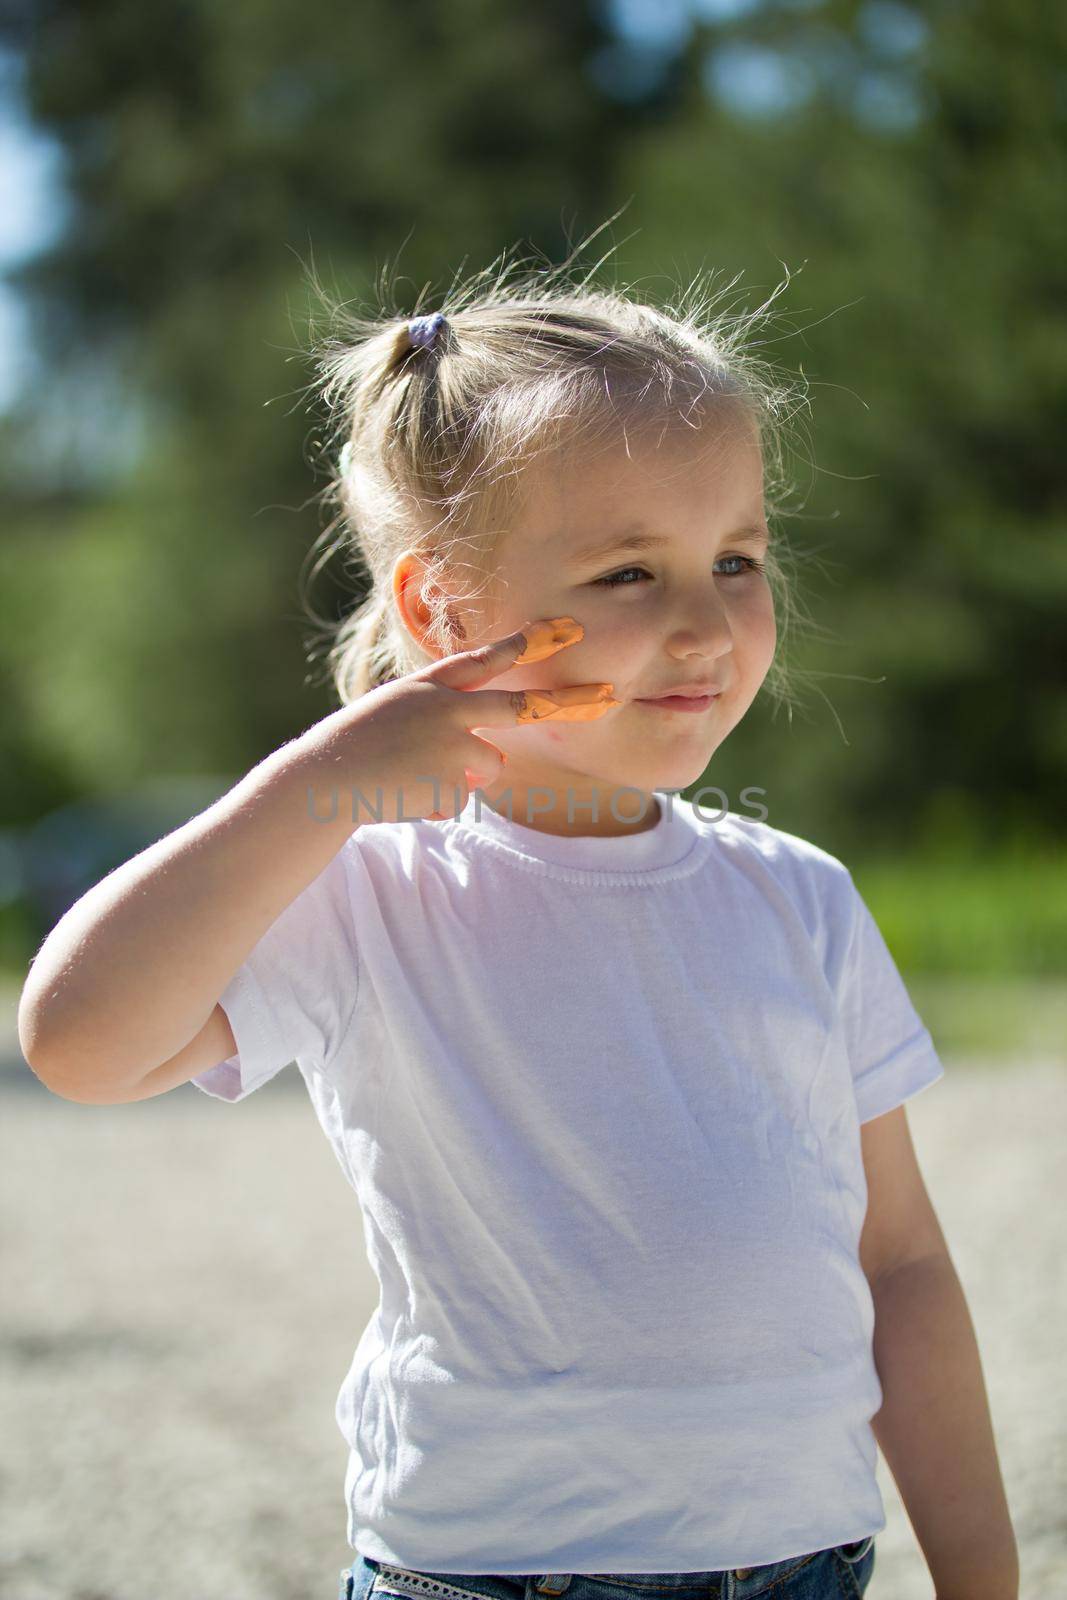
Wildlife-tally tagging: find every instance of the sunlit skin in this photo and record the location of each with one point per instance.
(692, 609)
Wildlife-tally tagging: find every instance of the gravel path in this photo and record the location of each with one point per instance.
(185, 1282)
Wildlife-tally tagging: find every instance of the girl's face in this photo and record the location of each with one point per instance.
(689, 606)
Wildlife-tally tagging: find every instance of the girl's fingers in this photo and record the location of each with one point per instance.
(510, 708)
(534, 642)
(499, 708)
(581, 702)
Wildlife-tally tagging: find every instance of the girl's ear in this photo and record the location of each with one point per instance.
(412, 590)
(408, 592)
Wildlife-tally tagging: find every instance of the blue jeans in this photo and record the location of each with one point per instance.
(839, 1573)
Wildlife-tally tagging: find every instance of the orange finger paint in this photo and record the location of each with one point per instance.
(545, 638)
(566, 705)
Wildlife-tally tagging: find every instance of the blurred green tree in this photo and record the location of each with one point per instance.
(155, 520)
(913, 160)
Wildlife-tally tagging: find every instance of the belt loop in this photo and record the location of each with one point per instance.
(553, 1583)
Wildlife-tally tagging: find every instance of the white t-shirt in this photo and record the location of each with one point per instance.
(599, 1099)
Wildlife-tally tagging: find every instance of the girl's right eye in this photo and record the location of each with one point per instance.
(614, 579)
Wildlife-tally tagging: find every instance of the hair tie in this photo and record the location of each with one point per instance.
(422, 331)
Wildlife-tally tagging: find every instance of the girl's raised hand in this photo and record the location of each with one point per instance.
(391, 745)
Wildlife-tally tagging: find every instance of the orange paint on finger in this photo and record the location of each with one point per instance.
(545, 638)
(566, 705)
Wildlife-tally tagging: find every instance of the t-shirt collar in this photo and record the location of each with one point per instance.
(663, 845)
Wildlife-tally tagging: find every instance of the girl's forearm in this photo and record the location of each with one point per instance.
(132, 971)
(935, 1431)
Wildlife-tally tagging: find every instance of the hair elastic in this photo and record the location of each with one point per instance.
(422, 331)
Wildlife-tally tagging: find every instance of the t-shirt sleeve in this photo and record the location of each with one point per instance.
(890, 1048)
(295, 995)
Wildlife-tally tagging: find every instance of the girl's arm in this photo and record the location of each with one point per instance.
(934, 1426)
(132, 973)
(127, 982)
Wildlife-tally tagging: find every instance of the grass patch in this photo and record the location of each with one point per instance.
(996, 917)
(1002, 1019)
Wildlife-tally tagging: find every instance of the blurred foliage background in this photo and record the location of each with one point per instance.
(904, 162)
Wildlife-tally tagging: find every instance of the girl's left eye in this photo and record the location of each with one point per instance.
(616, 579)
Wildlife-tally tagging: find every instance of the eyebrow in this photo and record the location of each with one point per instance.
(635, 538)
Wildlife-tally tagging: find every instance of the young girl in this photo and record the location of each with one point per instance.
(618, 1079)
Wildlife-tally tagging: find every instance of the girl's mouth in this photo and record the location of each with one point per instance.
(680, 702)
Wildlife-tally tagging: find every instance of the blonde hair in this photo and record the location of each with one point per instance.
(431, 440)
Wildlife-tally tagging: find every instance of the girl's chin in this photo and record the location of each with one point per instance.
(622, 768)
